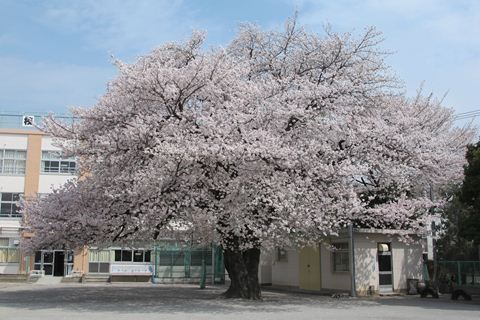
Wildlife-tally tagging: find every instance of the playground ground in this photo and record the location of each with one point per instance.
(149, 301)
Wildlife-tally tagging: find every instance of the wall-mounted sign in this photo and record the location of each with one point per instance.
(28, 121)
(131, 269)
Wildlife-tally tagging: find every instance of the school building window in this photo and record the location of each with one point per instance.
(340, 257)
(8, 254)
(8, 205)
(133, 255)
(99, 261)
(52, 162)
(12, 161)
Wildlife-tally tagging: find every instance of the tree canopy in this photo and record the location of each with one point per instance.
(280, 139)
(460, 237)
(469, 196)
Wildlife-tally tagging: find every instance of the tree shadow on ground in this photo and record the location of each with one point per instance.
(149, 298)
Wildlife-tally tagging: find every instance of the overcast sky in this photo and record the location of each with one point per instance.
(57, 54)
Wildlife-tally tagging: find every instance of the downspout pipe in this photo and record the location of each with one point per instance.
(353, 291)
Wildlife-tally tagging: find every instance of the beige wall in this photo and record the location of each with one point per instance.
(33, 165)
(23, 263)
(80, 261)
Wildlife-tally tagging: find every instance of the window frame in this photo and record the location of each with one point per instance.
(97, 265)
(13, 204)
(15, 160)
(281, 255)
(8, 255)
(63, 166)
(132, 255)
(340, 253)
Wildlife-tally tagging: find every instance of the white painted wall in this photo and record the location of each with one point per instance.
(13, 141)
(10, 223)
(9, 268)
(330, 279)
(286, 273)
(366, 266)
(47, 181)
(406, 261)
(267, 259)
(12, 183)
(10, 228)
(48, 144)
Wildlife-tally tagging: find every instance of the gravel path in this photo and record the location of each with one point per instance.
(147, 301)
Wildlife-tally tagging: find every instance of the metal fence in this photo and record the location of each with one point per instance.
(462, 273)
(189, 264)
(16, 120)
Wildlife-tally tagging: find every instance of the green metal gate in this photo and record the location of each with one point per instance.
(462, 273)
(182, 263)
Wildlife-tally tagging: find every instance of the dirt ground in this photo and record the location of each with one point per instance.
(149, 301)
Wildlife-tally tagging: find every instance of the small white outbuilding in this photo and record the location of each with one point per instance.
(384, 262)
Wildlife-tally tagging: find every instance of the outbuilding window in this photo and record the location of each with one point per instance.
(340, 257)
(282, 255)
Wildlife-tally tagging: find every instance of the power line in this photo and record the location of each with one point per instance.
(466, 115)
(471, 116)
(468, 112)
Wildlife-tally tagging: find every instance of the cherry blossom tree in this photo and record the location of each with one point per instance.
(281, 139)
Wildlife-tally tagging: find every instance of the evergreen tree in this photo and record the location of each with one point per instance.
(469, 226)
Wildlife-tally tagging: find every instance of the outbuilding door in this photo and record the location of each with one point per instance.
(309, 267)
(385, 271)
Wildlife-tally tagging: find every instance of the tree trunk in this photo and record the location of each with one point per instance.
(242, 268)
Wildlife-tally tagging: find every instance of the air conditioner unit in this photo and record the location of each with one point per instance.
(16, 242)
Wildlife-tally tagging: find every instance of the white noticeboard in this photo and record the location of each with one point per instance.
(131, 269)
